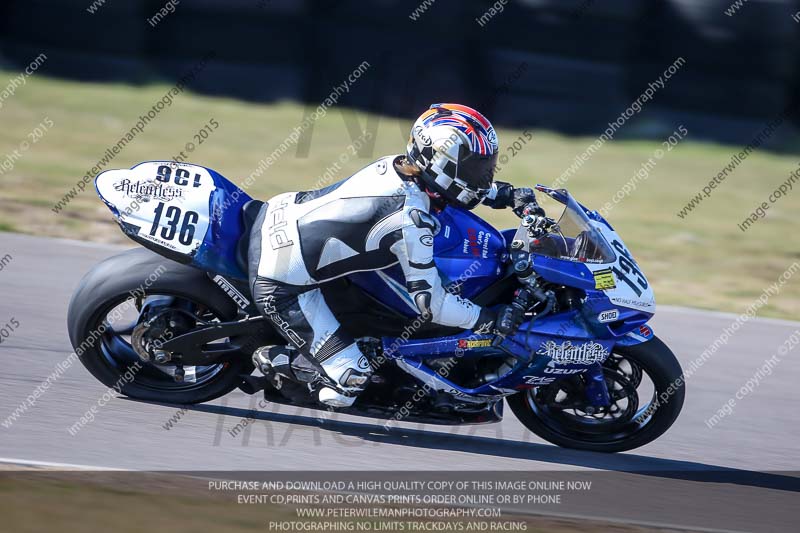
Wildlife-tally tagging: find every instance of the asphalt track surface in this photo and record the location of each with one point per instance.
(740, 475)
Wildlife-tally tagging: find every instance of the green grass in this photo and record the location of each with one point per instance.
(702, 261)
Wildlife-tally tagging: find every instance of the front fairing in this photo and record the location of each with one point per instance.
(585, 252)
(622, 280)
(616, 303)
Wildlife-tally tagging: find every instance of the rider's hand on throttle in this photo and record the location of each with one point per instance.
(509, 318)
(503, 320)
(525, 202)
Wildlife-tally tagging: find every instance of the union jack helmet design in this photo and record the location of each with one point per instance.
(456, 148)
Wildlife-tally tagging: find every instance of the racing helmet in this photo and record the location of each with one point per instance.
(456, 149)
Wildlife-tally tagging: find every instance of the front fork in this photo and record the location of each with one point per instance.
(596, 389)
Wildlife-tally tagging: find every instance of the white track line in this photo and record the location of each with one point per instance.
(56, 466)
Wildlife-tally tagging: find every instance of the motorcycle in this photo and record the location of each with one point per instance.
(583, 370)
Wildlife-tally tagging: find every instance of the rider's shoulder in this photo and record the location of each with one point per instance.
(380, 178)
(382, 167)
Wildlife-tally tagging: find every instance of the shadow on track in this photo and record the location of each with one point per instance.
(498, 447)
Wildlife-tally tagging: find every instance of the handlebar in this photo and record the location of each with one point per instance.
(538, 225)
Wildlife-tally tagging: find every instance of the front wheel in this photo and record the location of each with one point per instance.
(646, 388)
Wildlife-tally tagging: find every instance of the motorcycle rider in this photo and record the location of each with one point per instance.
(378, 217)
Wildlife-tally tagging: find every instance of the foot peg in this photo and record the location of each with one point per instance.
(274, 363)
(262, 361)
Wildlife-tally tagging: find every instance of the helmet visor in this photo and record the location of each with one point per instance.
(477, 171)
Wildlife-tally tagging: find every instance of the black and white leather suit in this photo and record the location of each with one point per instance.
(374, 219)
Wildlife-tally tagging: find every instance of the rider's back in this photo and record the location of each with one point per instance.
(346, 227)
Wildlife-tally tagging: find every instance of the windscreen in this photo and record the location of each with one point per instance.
(574, 237)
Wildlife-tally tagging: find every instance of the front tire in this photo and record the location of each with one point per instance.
(650, 420)
(109, 357)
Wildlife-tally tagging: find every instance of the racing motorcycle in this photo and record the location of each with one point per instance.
(583, 370)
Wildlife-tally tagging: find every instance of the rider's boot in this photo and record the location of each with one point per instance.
(349, 371)
(346, 373)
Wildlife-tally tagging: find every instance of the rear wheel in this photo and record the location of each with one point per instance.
(132, 302)
(646, 390)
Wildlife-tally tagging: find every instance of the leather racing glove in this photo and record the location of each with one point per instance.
(522, 200)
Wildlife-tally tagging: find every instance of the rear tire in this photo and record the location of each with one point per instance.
(659, 363)
(110, 283)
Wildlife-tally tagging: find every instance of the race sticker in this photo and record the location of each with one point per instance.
(566, 353)
(611, 315)
(538, 380)
(479, 343)
(604, 280)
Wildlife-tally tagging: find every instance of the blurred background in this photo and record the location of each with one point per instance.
(559, 69)
(569, 65)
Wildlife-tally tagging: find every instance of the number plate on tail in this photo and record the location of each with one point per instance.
(163, 202)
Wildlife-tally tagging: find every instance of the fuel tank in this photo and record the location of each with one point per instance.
(468, 252)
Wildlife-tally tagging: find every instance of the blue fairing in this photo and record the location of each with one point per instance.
(218, 251)
(563, 272)
(530, 347)
(538, 344)
(468, 252)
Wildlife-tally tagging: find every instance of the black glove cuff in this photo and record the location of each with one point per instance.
(504, 197)
(485, 323)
